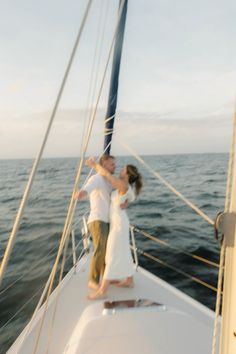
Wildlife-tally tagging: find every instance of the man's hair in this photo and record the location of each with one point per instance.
(105, 157)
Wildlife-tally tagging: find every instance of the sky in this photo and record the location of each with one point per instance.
(177, 79)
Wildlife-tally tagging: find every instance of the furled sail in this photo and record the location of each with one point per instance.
(114, 82)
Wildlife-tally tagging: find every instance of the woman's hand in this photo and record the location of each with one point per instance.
(91, 162)
(125, 204)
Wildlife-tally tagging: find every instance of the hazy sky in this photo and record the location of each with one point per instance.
(177, 82)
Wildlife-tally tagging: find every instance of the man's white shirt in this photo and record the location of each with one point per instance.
(99, 190)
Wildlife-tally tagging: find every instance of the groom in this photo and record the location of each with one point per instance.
(99, 191)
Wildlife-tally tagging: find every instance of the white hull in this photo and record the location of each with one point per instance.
(82, 326)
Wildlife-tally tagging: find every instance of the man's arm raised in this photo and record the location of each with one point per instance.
(116, 182)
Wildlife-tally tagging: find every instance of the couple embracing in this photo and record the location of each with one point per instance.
(109, 223)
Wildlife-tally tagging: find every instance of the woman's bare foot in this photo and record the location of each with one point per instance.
(126, 283)
(96, 295)
(93, 285)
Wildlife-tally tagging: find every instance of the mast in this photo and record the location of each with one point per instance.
(228, 323)
(114, 82)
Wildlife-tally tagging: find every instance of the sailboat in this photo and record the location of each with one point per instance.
(153, 316)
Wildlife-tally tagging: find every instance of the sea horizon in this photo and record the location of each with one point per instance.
(119, 155)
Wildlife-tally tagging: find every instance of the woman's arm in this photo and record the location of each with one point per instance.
(115, 181)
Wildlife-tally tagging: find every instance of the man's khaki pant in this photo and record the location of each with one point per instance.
(99, 231)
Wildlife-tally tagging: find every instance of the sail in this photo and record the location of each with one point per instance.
(114, 82)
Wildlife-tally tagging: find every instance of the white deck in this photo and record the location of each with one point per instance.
(82, 326)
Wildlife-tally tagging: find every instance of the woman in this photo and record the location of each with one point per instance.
(119, 262)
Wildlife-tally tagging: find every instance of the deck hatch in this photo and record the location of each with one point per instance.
(111, 307)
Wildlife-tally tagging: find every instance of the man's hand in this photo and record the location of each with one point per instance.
(91, 162)
(125, 204)
(80, 194)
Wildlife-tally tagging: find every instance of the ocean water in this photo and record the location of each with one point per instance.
(200, 177)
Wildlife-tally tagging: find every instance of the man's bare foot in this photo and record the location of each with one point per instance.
(96, 295)
(93, 285)
(114, 281)
(126, 284)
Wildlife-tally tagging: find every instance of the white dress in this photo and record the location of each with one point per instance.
(119, 262)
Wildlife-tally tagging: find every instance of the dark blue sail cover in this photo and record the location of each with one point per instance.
(114, 83)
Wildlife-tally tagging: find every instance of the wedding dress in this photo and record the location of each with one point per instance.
(119, 262)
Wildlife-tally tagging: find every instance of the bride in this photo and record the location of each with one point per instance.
(118, 260)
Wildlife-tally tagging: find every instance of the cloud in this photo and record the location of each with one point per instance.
(166, 131)
(151, 135)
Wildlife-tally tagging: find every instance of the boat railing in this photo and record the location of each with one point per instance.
(86, 237)
(137, 232)
(83, 245)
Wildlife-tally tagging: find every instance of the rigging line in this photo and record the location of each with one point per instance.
(91, 170)
(85, 114)
(62, 270)
(108, 131)
(29, 300)
(72, 205)
(197, 280)
(49, 332)
(218, 296)
(48, 282)
(156, 239)
(92, 82)
(85, 181)
(37, 160)
(223, 246)
(21, 308)
(86, 141)
(28, 271)
(101, 47)
(168, 185)
(109, 118)
(90, 111)
(78, 221)
(58, 291)
(231, 165)
(103, 78)
(80, 256)
(42, 297)
(100, 55)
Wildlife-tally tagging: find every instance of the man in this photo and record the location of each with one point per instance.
(99, 191)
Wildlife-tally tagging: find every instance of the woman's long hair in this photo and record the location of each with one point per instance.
(135, 178)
